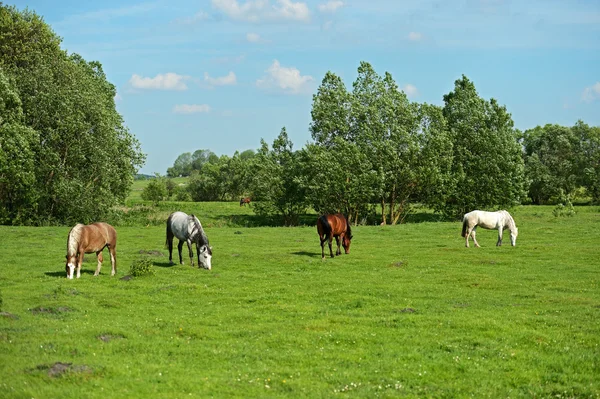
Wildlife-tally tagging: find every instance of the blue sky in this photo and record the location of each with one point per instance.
(222, 74)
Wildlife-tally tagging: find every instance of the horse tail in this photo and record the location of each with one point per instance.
(325, 226)
(169, 232)
(464, 229)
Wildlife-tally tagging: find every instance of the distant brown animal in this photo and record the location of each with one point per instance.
(329, 226)
(244, 201)
(86, 239)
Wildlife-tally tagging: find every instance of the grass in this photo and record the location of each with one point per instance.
(410, 312)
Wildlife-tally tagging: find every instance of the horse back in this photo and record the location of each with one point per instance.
(94, 237)
(338, 223)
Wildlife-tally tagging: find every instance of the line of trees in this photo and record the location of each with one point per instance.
(65, 154)
(372, 147)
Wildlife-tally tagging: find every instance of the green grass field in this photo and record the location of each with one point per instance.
(409, 313)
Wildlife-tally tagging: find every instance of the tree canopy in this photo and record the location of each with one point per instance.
(76, 157)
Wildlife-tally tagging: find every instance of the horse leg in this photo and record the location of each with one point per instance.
(179, 248)
(474, 234)
(467, 235)
(79, 262)
(322, 239)
(189, 244)
(113, 260)
(330, 239)
(100, 259)
(500, 231)
(170, 244)
(337, 241)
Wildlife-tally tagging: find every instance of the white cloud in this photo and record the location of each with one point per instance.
(191, 108)
(198, 17)
(227, 80)
(591, 93)
(167, 81)
(410, 90)
(118, 97)
(284, 79)
(263, 10)
(253, 37)
(331, 6)
(415, 36)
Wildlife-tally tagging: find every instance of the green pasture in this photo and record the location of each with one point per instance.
(410, 312)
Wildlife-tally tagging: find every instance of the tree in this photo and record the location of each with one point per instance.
(155, 191)
(85, 158)
(276, 181)
(182, 166)
(487, 167)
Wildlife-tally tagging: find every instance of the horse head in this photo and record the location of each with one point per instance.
(204, 256)
(70, 266)
(513, 236)
(346, 243)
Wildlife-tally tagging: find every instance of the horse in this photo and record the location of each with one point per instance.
(188, 228)
(500, 220)
(86, 239)
(244, 201)
(329, 226)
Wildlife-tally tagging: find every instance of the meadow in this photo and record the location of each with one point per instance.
(410, 312)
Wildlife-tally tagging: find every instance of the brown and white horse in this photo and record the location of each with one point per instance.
(244, 201)
(86, 239)
(329, 226)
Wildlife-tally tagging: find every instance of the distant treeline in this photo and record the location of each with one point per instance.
(372, 147)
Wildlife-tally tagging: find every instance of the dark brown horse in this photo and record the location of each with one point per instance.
(88, 239)
(329, 226)
(244, 201)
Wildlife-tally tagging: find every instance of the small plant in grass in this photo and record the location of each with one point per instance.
(142, 267)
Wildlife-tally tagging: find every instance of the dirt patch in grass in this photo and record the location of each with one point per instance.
(51, 310)
(151, 252)
(126, 278)
(401, 263)
(110, 337)
(59, 368)
(408, 310)
(9, 315)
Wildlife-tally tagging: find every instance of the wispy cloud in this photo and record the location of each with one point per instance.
(118, 97)
(227, 80)
(263, 10)
(197, 17)
(110, 13)
(285, 79)
(591, 93)
(167, 81)
(415, 36)
(330, 6)
(187, 109)
(410, 90)
(253, 37)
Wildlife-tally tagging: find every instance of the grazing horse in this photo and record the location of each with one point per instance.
(244, 201)
(499, 220)
(188, 228)
(84, 239)
(329, 226)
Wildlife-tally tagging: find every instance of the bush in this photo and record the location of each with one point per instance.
(142, 267)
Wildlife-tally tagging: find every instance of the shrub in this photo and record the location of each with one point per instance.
(142, 267)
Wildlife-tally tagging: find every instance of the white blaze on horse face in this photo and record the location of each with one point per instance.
(204, 257)
(513, 238)
(70, 270)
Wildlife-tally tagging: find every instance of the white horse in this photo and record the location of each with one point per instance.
(489, 220)
(188, 228)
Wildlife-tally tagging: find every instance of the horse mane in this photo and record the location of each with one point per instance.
(348, 228)
(73, 239)
(509, 220)
(203, 239)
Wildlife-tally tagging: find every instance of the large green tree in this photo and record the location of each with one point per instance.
(487, 166)
(84, 156)
(277, 181)
(406, 144)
